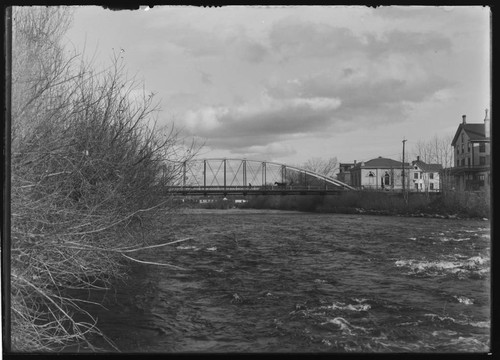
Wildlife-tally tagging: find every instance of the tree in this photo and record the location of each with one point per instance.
(326, 167)
(437, 150)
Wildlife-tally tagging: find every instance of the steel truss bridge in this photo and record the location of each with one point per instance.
(250, 177)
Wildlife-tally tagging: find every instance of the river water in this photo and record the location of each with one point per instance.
(281, 281)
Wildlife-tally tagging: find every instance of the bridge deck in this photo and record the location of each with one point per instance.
(242, 190)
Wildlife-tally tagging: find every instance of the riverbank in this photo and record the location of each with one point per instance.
(446, 205)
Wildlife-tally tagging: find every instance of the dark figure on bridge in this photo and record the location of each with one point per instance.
(280, 184)
(250, 185)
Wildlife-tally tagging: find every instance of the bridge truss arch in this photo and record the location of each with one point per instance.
(251, 176)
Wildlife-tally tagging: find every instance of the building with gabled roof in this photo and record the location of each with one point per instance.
(380, 174)
(472, 155)
(425, 177)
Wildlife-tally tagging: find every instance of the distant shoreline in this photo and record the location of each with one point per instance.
(354, 211)
(451, 205)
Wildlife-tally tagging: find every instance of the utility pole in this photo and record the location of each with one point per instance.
(403, 173)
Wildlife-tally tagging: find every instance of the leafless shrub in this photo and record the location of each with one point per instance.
(88, 164)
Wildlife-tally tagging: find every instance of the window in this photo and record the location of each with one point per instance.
(416, 186)
(431, 186)
(458, 150)
(468, 147)
(463, 162)
(431, 176)
(468, 161)
(387, 179)
(462, 138)
(482, 160)
(482, 147)
(458, 163)
(462, 148)
(415, 176)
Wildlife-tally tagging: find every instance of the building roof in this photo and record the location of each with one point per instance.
(427, 167)
(475, 132)
(381, 163)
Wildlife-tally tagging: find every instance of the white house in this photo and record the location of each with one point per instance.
(425, 177)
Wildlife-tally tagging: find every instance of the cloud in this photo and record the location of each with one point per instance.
(205, 77)
(300, 38)
(268, 151)
(371, 91)
(368, 84)
(415, 13)
(194, 42)
(251, 51)
(405, 42)
(260, 123)
(218, 42)
(293, 38)
(334, 80)
(394, 80)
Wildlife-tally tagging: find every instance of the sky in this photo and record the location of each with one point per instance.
(289, 84)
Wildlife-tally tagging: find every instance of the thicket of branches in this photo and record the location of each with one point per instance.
(87, 163)
(437, 150)
(326, 167)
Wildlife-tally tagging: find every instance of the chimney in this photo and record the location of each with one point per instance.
(487, 124)
(418, 157)
(463, 119)
(354, 162)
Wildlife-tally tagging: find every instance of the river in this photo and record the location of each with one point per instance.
(283, 281)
